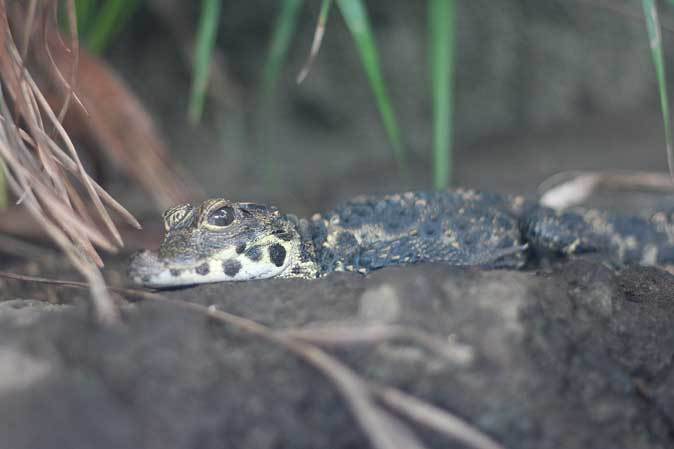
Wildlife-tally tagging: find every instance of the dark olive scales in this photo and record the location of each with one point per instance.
(465, 227)
(460, 227)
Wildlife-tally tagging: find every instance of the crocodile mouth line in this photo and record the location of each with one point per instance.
(147, 268)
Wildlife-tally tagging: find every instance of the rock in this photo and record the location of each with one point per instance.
(575, 356)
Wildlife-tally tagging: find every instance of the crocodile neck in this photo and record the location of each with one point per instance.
(319, 251)
(305, 263)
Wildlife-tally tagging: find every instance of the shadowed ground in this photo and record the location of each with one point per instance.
(574, 356)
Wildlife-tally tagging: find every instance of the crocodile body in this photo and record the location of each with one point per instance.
(221, 240)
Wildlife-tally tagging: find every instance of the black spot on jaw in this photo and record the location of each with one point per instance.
(277, 254)
(231, 267)
(175, 272)
(254, 253)
(203, 269)
(241, 248)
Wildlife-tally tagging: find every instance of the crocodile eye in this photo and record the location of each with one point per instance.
(223, 216)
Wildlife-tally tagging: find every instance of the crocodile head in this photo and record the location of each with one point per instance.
(220, 240)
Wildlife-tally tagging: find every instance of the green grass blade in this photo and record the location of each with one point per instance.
(357, 21)
(108, 21)
(653, 26)
(203, 53)
(284, 29)
(83, 9)
(441, 15)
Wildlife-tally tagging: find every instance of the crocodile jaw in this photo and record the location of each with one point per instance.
(146, 268)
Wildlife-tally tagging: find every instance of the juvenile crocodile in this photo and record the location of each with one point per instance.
(220, 240)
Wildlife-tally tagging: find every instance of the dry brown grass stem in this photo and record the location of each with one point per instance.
(42, 165)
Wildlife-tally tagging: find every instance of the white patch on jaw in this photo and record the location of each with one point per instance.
(261, 269)
(248, 269)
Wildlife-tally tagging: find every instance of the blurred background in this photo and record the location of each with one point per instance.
(400, 95)
(539, 87)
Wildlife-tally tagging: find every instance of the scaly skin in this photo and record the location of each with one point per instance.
(225, 241)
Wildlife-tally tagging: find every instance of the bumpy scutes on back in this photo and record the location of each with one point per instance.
(461, 227)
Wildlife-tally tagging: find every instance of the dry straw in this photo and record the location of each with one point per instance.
(42, 167)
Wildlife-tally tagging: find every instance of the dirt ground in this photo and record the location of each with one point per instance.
(573, 356)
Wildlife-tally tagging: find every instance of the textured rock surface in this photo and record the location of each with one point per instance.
(574, 357)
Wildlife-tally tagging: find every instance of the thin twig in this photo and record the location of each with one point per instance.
(318, 39)
(434, 417)
(349, 333)
(567, 189)
(134, 293)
